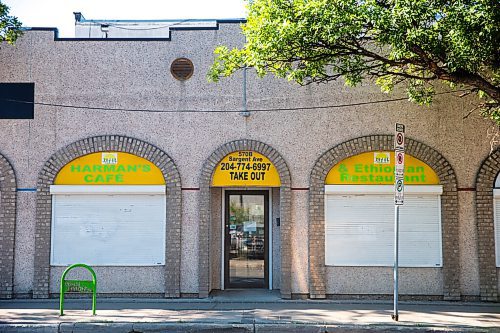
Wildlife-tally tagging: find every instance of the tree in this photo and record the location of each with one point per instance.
(410, 43)
(10, 27)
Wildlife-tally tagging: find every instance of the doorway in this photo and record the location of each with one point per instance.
(246, 252)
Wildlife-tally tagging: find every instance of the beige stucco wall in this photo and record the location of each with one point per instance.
(300, 252)
(143, 281)
(469, 267)
(135, 75)
(24, 242)
(189, 252)
(379, 280)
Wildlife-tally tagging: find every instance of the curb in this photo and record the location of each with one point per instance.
(256, 301)
(80, 327)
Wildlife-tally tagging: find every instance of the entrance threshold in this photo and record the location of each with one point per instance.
(246, 295)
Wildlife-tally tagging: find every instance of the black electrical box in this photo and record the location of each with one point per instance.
(16, 100)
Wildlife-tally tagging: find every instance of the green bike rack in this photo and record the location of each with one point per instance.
(78, 286)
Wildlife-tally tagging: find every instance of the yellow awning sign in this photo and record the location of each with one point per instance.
(246, 169)
(110, 168)
(377, 168)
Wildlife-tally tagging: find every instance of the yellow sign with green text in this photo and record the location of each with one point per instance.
(246, 169)
(110, 168)
(377, 168)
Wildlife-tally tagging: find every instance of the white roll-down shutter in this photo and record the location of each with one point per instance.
(108, 225)
(496, 194)
(359, 227)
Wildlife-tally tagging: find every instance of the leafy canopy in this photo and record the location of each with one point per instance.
(10, 27)
(393, 42)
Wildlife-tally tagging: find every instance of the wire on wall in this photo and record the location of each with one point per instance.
(85, 107)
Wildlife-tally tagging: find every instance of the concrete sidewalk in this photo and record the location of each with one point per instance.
(237, 312)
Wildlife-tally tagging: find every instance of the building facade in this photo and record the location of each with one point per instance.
(171, 186)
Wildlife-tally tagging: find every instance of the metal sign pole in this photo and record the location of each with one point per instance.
(395, 315)
(399, 157)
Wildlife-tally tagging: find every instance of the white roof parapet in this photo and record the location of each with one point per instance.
(137, 28)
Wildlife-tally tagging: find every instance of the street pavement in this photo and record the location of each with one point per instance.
(241, 311)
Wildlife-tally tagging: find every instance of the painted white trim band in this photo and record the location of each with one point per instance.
(382, 189)
(108, 189)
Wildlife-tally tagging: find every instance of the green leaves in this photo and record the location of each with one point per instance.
(393, 42)
(419, 92)
(10, 27)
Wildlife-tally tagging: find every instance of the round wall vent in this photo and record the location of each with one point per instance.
(182, 69)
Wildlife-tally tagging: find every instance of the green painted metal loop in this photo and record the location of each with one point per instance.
(66, 271)
(81, 286)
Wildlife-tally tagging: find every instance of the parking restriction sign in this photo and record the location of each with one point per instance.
(399, 191)
(400, 162)
(399, 139)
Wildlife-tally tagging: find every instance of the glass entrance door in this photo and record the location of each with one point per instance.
(246, 251)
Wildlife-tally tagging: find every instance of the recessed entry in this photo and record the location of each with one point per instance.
(182, 69)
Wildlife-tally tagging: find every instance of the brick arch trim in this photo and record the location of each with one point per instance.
(485, 182)
(205, 211)
(102, 144)
(8, 201)
(449, 207)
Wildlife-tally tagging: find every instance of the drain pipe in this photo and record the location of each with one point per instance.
(245, 112)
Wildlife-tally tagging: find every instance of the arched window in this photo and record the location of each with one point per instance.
(109, 209)
(359, 213)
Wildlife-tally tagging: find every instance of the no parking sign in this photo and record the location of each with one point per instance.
(399, 142)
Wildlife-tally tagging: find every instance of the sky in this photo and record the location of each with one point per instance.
(59, 13)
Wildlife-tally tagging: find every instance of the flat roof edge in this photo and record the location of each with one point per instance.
(180, 28)
(220, 20)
